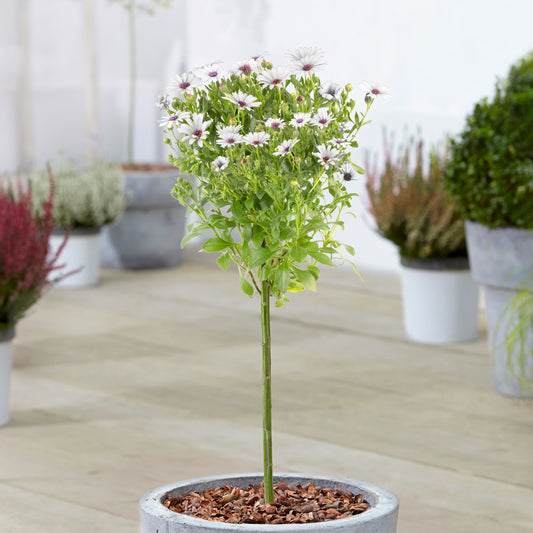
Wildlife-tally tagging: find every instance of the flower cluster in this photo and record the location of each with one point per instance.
(24, 261)
(273, 143)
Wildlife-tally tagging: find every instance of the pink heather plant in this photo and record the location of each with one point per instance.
(24, 260)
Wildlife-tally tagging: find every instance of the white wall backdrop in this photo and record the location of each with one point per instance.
(438, 57)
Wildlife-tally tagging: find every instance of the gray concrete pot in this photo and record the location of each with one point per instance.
(149, 233)
(6, 362)
(501, 260)
(381, 518)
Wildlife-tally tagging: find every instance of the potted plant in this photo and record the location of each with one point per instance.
(270, 146)
(25, 265)
(411, 208)
(86, 198)
(490, 174)
(152, 219)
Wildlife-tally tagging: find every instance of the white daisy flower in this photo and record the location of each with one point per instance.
(257, 138)
(184, 83)
(322, 118)
(347, 172)
(220, 163)
(244, 67)
(300, 119)
(195, 129)
(285, 147)
(274, 77)
(330, 90)
(373, 90)
(245, 101)
(339, 141)
(275, 123)
(327, 155)
(228, 135)
(306, 60)
(211, 72)
(170, 120)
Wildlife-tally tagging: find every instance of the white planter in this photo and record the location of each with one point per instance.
(6, 355)
(382, 517)
(440, 305)
(82, 251)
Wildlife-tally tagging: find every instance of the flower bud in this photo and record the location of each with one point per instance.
(266, 64)
(233, 121)
(298, 159)
(294, 182)
(244, 160)
(369, 98)
(300, 99)
(166, 140)
(348, 87)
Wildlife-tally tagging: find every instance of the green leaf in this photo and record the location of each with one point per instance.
(215, 244)
(282, 277)
(258, 256)
(245, 286)
(224, 261)
(298, 253)
(188, 237)
(321, 258)
(306, 279)
(349, 249)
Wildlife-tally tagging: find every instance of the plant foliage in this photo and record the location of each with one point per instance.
(87, 196)
(411, 206)
(24, 260)
(490, 173)
(274, 213)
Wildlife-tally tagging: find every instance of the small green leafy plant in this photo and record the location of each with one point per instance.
(411, 207)
(87, 196)
(269, 148)
(490, 173)
(516, 326)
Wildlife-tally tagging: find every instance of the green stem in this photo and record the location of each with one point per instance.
(133, 64)
(267, 399)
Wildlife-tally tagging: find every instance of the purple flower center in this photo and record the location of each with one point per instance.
(242, 103)
(299, 121)
(347, 176)
(230, 141)
(307, 67)
(325, 159)
(323, 121)
(213, 74)
(275, 125)
(245, 68)
(375, 91)
(256, 143)
(184, 85)
(197, 133)
(276, 81)
(173, 118)
(288, 149)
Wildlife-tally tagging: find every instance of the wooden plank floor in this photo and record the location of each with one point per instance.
(154, 377)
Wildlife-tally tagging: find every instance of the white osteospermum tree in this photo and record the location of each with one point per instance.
(271, 177)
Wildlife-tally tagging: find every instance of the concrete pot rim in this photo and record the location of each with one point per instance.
(444, 263)
(76, 231)
(7, 334)
(382, 501)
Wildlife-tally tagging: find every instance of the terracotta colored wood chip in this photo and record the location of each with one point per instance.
(294, 504)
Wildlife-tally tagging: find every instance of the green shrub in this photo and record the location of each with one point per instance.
(87, 196)
(490, 172)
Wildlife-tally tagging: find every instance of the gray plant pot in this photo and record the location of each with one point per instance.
(382, 517)
(501, 260)
(149, 233)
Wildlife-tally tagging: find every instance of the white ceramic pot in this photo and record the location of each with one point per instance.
(440, 301)
(382, 517)
(6, 355)
(82, 251)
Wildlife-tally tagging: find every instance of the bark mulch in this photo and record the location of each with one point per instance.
(293, 504)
